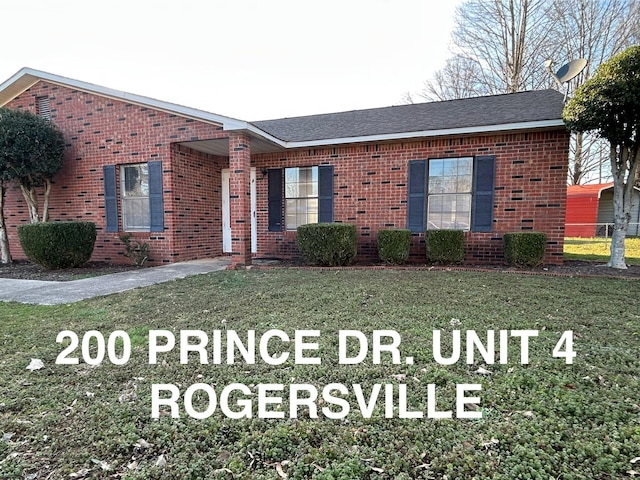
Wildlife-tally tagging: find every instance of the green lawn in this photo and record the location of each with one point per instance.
(541, 420)
(598, 249)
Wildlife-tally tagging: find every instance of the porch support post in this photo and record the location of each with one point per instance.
(240, 198)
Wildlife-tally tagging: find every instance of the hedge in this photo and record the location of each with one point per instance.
(56, 245)
(445, 246)
(525, 249)
(328, 244)
(394, 245)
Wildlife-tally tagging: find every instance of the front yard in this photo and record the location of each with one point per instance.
(598, 249)
(540, 420)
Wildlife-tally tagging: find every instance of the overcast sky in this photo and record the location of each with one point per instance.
(247, 59)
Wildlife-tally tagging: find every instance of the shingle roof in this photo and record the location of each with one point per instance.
(508, 109)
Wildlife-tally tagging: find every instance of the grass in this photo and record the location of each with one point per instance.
(598, 249)
(542, 420)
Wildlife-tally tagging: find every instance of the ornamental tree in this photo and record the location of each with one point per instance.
(31, 153)
(608, 104)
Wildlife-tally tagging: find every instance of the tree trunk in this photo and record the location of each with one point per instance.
(578, 170)
(5, 254)
(31, 197)
(623, 180)
(45, 207)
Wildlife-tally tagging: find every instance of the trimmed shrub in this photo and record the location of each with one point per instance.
(328, 244)
(56, 245)
(525, 249)
(393, 245)
(445, 246)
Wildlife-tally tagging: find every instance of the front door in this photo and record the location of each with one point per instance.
(226, 212)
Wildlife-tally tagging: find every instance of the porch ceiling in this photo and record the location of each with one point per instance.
(220, 146)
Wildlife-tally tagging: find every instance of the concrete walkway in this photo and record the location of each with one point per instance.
(55, 293)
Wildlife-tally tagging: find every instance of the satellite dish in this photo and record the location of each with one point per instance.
(571, 70)
(567, 72)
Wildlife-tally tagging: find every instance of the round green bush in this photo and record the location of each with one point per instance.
(56, 245)
(328, 244)
(394, 245)
(445, 246)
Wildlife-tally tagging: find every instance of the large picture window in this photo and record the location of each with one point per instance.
(135, 197)
(301, 196)
(449, 193)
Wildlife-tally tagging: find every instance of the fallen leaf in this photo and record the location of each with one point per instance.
(377, 470)
(280, 471)
(483, 371)
(142, 443)
(83, 472)
(493, 441)
(399, 376)
(224, 470)
(103, 465)
(161, 462)
(35, 364)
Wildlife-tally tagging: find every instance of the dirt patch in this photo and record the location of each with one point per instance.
(28, 271)
(574, 268)
(24, 270)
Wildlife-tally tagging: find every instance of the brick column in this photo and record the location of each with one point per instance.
(240, 199)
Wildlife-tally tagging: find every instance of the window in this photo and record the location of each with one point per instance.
(140, 197)
(449, 193)
(301, 196)
(43, 108)
(304, 193)
(135, 197)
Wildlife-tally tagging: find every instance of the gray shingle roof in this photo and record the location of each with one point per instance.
(514, 108)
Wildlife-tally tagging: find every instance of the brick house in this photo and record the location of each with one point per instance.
(194, 184)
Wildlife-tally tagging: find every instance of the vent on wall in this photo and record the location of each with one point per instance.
(43, 109)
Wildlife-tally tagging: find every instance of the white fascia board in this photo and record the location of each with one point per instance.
(34, 76)
(429, 133)
(261, 133)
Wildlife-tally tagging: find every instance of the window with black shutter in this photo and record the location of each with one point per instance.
(451, 193)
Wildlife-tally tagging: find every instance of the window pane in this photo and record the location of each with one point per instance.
(301, 211)
(135, 213)
(450, 185)
(301, 194)
(464, 183)
(465, 166)
(301, 182)
(136, 180)
(135, 197)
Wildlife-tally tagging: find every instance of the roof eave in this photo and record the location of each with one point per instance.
(536, 125)
(27, 77)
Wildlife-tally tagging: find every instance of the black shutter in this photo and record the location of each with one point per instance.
(156, 203)
(110, 197)
(417, 198)
(484, 168)
(274, 196)
(325, 193)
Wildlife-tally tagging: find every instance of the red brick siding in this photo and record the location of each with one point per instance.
(370, 181)
(101, 131)
(370, 189)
